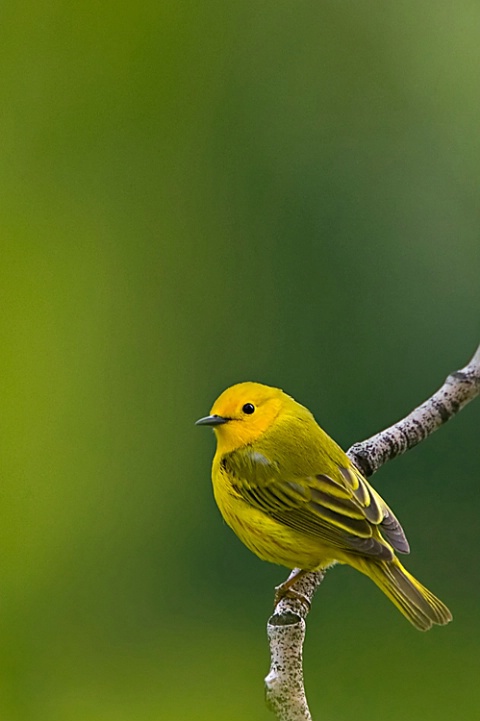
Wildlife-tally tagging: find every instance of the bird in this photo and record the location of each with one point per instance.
(294, 498)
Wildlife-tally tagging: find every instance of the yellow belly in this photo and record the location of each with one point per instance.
(267, 538)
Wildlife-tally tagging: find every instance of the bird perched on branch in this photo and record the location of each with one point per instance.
(294, 498)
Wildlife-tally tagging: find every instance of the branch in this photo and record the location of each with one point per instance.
(459, 389)
(285, 692)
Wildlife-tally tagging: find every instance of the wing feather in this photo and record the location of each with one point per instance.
(344, 510)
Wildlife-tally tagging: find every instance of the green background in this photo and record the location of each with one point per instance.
(195, 194)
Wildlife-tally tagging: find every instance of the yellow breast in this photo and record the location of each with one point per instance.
(269, 540)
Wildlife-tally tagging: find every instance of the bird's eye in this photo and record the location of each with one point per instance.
(248, 408)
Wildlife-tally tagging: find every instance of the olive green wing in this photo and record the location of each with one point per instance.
(341, 508)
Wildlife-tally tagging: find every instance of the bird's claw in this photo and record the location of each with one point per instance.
(286, 591)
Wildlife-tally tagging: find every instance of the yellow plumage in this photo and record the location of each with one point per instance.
(294, 498)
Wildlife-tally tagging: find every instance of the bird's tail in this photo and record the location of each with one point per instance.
(416, 602)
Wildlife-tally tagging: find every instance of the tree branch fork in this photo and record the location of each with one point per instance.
(285, 691)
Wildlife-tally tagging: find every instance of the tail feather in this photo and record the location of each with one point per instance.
(416, 602)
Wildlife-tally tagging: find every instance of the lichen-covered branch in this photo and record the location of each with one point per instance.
(286, 631)
(459, 389)
(285, 692)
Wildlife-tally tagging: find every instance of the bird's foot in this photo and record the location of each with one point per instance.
(285, 590)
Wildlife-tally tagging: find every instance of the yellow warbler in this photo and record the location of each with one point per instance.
(294, 498)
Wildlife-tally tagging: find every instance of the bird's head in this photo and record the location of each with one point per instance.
(242, 413)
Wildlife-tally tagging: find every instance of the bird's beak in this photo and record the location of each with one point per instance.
(211, 421)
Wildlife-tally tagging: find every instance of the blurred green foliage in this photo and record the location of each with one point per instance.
(196, 194)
